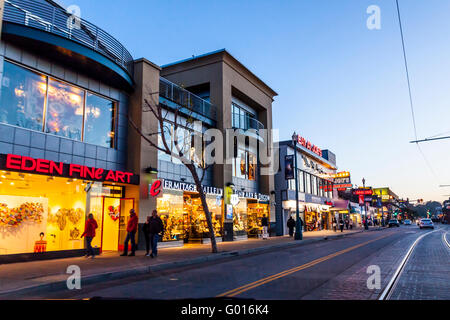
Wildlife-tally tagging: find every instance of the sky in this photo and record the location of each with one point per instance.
(340, 85)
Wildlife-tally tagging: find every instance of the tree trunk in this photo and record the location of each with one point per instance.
(198, 184)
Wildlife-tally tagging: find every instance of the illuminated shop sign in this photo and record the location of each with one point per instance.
(155, 187)
(308, 145)
(13, 162)
(363, 192)
(253, 195)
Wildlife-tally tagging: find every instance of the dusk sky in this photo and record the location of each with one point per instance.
(340, 85)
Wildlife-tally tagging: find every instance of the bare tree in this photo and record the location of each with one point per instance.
(181, 120)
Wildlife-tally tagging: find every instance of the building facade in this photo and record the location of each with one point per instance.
(315, 170)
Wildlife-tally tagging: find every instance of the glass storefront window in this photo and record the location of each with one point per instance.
(22, 97)
(65, 110)
(255, 213)
(252, 166)
(240, 217)
(100, 121)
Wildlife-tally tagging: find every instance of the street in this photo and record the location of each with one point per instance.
(333, 269)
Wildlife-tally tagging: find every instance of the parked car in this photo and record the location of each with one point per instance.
(407, 222)
(426, 223)
(394, 223)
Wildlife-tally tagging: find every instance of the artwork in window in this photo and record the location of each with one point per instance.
(252, 166)
(22, 97)
(65, 110)
(99, 121)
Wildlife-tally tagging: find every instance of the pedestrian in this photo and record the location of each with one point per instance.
(318, 224)
(265, 226)
(334, 224)
(351, 224)
(89, 234)
(131, 234)
(146, 232)
(291, 225)
(346, 223)
(341, 225)
(156, 227)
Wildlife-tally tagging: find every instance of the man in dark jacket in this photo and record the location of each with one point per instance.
(265, 226)
(155, 227)
(146, 232)
(89, 234)
(131, 234)
(291, 225)
(341, 225)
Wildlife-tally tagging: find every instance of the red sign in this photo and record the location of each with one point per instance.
(308, 145)
(155, 188)
(60, 169)
(363, 192)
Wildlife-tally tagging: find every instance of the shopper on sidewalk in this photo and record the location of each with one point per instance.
(156, 227)
(351, 224)
(146, 232)
(131, 234)
(346, 223)
(334, 224)
(341, 225)
(265, 226)
(89, 234)
(291, 225)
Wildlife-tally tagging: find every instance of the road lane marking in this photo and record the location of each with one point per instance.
(444, 237)
(387, 292)
(252, 285)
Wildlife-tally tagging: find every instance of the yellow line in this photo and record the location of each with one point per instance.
(282, 274)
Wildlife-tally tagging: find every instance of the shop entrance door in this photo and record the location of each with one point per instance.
(126, 205)
(115, 214)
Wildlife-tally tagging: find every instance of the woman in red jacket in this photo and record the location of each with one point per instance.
(131, 234)
(89, 234)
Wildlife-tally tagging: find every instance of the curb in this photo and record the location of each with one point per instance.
(116, 275)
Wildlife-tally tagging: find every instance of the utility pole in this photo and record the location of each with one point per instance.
(298, 227)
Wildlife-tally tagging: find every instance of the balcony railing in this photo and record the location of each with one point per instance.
(186, 99)
(52, 19)
(244, 122)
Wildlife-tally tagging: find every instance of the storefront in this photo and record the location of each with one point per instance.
(180, 208)
(44, 205)
(248, 210)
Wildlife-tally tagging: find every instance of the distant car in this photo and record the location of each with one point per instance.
(393, 223)
(407, 222)
(426, 223)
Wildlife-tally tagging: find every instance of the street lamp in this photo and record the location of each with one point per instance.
(298, 228)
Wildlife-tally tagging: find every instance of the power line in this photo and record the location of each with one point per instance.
(407, 69)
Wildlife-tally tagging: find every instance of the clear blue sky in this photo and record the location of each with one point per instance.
(340, 85)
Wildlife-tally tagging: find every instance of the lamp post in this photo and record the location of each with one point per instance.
(298, 228)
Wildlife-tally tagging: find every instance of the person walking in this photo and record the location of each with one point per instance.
(334, 224)
(131, 234)
(146, 232)
(341, 225)
(346, 223)
(265, 226)
(291, 225)
(351, 224)
(89, 234)
(156, 227)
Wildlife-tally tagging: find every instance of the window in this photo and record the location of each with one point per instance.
(308, 183)
(65, 110)
(244, 165)
(22, 97)
(242, 119)
(70, 111)
(100, 121)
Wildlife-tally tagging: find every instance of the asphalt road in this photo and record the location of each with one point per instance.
(333, 269)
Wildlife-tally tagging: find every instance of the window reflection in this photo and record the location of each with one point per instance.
(99, 121)
(65, 110)
(22, 97)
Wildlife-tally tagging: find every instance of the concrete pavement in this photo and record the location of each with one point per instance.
(29, 277)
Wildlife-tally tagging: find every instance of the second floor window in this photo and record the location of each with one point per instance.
(242, 119)
(38, 102)
(245, 165)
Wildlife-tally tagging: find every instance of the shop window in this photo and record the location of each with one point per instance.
(22, 97)
(24, 94)
(65, 110)
(240, 217)
(255, 213)
(245, 165)
(100, 121)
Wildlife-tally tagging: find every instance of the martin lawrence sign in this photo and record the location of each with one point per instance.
(11, 162)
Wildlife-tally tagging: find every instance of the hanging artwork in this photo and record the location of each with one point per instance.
(28, 211)
(114, 213)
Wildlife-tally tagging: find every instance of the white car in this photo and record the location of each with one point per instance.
(426, 223)
(407, 222)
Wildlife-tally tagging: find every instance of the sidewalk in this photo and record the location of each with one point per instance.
(26, 277)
